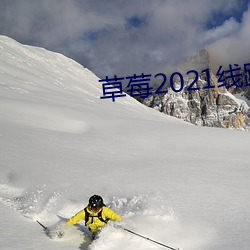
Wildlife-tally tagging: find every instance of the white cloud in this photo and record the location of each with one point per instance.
(228, 28)
(234, 48)
(97, 32)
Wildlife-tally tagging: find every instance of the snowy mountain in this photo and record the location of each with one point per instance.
(199, 105)
(182, 185)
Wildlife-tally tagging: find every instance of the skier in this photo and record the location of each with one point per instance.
(95, 214)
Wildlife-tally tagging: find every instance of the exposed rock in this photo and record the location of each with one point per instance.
(213, 107)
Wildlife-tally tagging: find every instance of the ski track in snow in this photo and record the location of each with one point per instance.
(145, 214)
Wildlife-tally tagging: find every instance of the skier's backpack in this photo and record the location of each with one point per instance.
(88, 216)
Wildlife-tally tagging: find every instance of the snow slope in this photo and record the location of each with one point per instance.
(176, 183)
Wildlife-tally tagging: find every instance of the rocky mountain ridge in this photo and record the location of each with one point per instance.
(213, 107)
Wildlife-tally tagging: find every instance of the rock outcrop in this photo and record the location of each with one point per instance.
(213, 107)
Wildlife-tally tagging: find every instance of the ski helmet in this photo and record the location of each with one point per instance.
(95, 202)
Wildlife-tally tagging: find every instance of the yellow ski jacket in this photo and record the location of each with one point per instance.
(94, 223)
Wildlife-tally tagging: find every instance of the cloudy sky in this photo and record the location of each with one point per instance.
(125, 37)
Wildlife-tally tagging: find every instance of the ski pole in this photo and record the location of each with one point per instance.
(45, 228)
(146, 238)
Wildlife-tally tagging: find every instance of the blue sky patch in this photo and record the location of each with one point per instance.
(219, 17)
(136, 21)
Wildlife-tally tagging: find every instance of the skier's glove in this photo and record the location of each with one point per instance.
(60, 233)
(62, 230)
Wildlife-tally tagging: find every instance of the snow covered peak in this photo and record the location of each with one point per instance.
(49, 80)
(34, 67)
(213, 107)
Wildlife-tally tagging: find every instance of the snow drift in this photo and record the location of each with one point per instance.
(182, 185)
